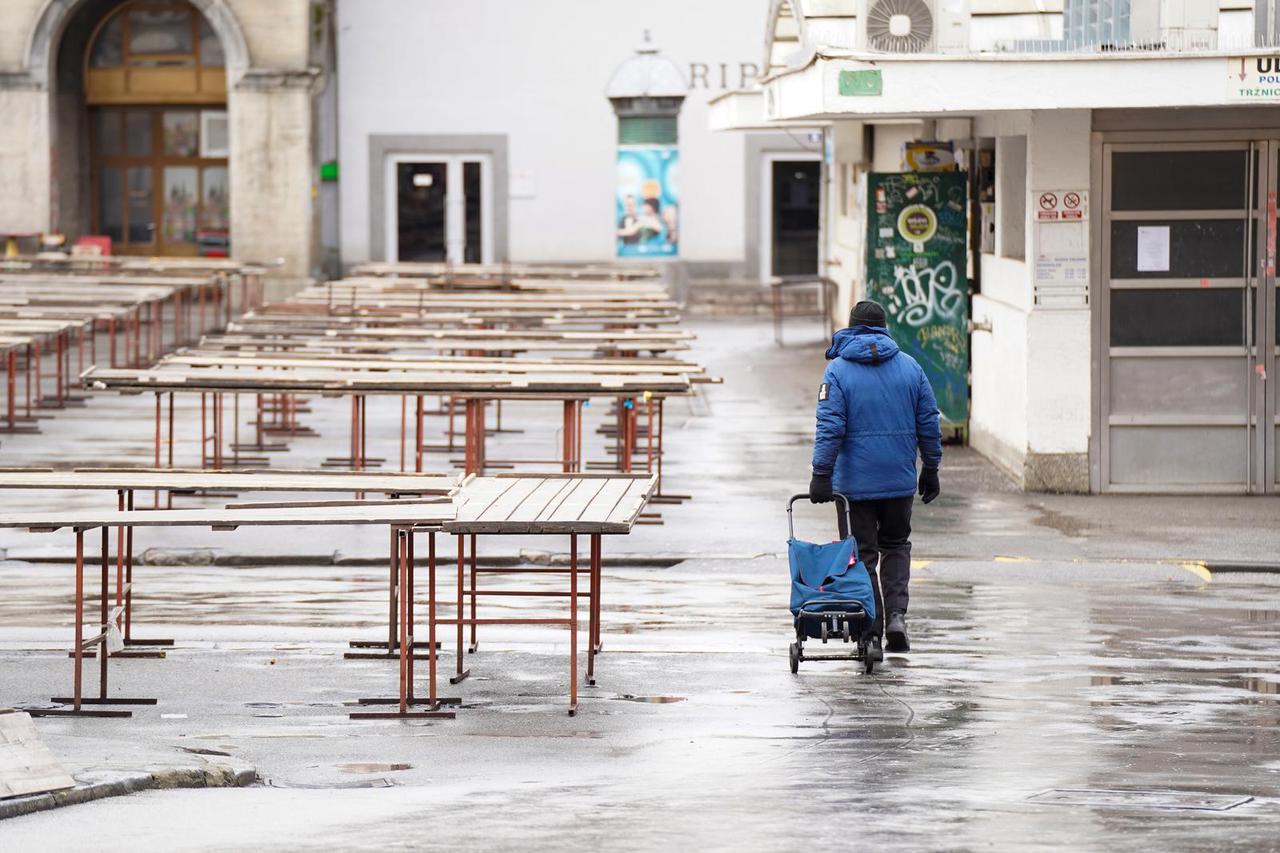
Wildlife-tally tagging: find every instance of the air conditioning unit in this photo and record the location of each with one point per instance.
(914, 26)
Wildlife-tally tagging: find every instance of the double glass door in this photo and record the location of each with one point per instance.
(160, 180)
(440, 209)
(1190, 315)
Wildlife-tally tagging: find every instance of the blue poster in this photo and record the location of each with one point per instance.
(646, 208)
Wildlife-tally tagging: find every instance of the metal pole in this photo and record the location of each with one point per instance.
(573, 624)
(102, 615)
(79, 652)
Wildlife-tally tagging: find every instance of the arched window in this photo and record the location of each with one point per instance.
(148, 52)
(156, 89)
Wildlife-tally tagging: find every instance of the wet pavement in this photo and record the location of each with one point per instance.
(1060, 643)
(1026, 677)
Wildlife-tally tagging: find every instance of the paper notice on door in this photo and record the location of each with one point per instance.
(1153, 248)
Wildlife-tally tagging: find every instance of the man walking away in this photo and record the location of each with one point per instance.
(875, 410)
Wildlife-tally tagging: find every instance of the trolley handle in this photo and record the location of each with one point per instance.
(791, 525)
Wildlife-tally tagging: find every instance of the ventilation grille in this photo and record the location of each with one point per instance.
(900, 26)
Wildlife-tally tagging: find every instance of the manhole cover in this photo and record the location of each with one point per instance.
(1195, 800)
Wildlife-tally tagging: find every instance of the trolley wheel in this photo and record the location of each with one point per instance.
(868, 665)
(795, 658)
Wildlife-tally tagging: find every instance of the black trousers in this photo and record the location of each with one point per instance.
(883, 531)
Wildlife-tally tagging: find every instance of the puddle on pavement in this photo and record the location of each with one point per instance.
(371, 767)
(505, 735)
(322, 786)
(1176, 800)
(651, 700)
(1265, 686)
(1064, 524)
(200, 750)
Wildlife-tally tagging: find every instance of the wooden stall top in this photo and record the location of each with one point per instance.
(266, 380)
(267, 480)
(398, 268)
(552, 503)
(339, 326)
(463, 364)
(319, 513)
(320, 344)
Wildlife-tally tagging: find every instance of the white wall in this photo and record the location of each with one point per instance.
(537, 72)
(998, 402)
(1032, 379)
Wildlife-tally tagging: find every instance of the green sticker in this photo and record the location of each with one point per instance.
(861, 82)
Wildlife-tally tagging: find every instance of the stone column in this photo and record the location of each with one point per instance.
(25, 190)
(273, 174)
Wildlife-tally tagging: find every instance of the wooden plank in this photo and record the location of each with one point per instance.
(299, 516)
(501, 510)
(243, 481)
(600, 508)
(533, 506)
(26, 764)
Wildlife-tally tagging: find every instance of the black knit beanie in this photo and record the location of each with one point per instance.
(867, 313)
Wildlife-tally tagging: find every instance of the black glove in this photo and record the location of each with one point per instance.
(929, 487)
(820, 489)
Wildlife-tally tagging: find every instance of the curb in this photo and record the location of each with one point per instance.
(1243, 568)
(100, 784)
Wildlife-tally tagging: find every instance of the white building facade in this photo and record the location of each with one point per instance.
(1122, 216)
(481, 131)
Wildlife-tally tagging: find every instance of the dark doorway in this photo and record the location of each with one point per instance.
(794, 248)
(420, 204)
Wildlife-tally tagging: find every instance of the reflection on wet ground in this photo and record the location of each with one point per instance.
(1026, 679)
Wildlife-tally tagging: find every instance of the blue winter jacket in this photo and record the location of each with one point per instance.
(875, 409)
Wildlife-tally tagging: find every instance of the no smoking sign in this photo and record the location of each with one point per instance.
(1060, 205)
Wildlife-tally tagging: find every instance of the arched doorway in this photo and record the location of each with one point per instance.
(155, 90)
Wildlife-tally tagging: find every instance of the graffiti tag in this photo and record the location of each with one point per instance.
(924, 296)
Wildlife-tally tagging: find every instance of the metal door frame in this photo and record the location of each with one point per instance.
(455, 203)
(767, 161)
(1262, 415)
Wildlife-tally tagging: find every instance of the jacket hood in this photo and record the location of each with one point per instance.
(865, 344)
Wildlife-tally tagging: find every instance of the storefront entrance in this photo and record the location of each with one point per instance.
(440, 209)
(1189, 310)
(792, 222)
(155, 90)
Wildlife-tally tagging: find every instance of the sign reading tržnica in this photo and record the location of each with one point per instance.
(1253, 78)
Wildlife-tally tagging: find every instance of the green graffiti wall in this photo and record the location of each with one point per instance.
(916, 267)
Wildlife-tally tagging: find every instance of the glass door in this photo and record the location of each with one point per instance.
(440, 210)
(1179, 262)
(795, 216)
(160, 181)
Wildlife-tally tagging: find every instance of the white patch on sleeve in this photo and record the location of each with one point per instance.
(824, 391)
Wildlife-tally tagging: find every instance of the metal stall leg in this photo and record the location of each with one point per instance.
(573, 625)
(78, 699)
(403, 548)
(475, 642)
(461, 672)
(593, 633)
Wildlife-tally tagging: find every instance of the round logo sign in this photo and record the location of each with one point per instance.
(917, 223)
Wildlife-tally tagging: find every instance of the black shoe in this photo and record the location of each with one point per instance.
(895, 632)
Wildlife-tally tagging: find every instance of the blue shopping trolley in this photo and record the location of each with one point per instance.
(832, 595)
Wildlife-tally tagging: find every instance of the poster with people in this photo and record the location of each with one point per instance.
(646, 209)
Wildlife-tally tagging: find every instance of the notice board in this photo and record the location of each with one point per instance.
(917, 250)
